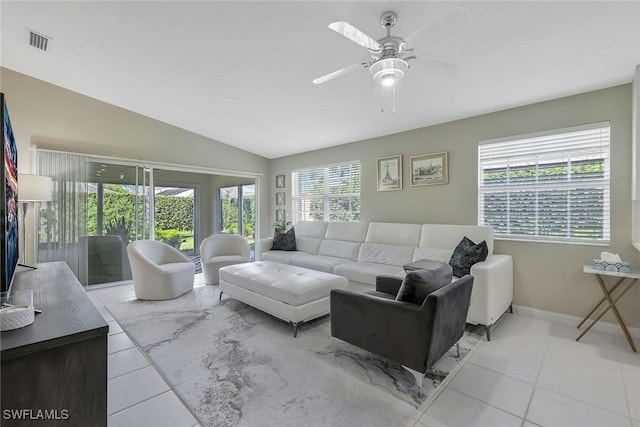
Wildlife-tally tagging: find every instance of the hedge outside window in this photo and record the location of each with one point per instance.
(547, 186)
(327, 193)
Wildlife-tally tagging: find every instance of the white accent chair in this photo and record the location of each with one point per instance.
(159, 271)
(220, 250)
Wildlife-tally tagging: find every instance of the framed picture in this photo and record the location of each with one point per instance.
(280, 215)
(430, 169)
(279, 181)
(390, 173)
(280, 199)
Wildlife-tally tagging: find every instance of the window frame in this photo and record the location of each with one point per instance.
(326, 195)
(543, 159)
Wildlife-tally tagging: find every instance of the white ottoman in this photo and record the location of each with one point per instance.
(291, 293)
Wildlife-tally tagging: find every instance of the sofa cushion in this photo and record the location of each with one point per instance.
(443, 255)
(308, 244)
(349, 231)
(284, 241)
(385, 254)
(284, 257)
(393, 233)
(320, 262)
(418, 284)
(366, 272)
(447, 236)
(337, 248)
(311, 228)
(466, 254)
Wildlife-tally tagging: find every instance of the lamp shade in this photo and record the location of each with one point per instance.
(34, 188)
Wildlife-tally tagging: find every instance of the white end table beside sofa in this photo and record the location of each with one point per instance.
(361, 251)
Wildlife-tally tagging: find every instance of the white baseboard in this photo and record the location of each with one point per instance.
(601, 326)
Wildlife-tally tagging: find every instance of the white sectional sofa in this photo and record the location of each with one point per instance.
(361, 251)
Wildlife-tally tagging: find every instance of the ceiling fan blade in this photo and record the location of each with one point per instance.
(341, 72)
(440, 63)
(430, 58)
(451, 20)
(355, 35)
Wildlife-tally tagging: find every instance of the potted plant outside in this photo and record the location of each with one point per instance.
(170, 237)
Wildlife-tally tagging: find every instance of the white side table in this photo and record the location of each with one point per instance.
(634, 275)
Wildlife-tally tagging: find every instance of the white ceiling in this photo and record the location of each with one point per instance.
(180, 62)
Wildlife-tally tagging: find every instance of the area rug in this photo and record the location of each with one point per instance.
(237, 366)
(196, 260)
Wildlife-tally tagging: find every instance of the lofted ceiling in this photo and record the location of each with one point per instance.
(240, 72)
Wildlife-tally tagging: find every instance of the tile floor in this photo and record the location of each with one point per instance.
(532, 373)
(137, 394)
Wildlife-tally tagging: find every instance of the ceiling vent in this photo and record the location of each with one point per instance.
(38, 40)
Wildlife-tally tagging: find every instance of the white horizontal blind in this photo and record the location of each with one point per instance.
(551, 186)
(327, 193)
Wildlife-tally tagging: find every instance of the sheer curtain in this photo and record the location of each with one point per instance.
(63, 221)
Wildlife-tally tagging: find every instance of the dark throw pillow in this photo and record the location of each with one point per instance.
(466, 254)
(418, 284)
(284, 241)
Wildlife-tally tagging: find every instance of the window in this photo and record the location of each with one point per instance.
(548, 186)
(237, 211)
(327, 193)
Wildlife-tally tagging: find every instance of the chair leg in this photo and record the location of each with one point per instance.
(511, 308)
(220, 297)
(488, 332)
(458, 350)
(295, 328)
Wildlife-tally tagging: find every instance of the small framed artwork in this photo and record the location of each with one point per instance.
(429, 169)
(390, 173)
(280, 215)
(279, 181)
(280, 199)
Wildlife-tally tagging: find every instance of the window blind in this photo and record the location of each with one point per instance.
(548, 186)
(327, 193)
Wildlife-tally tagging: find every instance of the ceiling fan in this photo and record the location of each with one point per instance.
(389, 55)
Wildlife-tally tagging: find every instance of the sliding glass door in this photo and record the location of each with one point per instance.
(238, 212)
(119, 207)
(128, 202)
(174, 217)
(249, 212)
(230, 212)
(99, 206)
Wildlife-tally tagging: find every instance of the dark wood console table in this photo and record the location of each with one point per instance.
(54, 371)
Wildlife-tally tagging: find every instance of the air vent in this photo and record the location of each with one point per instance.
(38, 40)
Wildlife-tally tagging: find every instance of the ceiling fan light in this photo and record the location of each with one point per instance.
(388, 79)
(388, 71)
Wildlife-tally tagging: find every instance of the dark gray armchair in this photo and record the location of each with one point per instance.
(413, 335)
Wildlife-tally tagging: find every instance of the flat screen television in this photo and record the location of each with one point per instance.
(8, 201)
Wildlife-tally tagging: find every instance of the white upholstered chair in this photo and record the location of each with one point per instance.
(220, 250)
(159, 271)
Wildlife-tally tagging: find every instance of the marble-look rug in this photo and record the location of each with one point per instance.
(237, 366)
